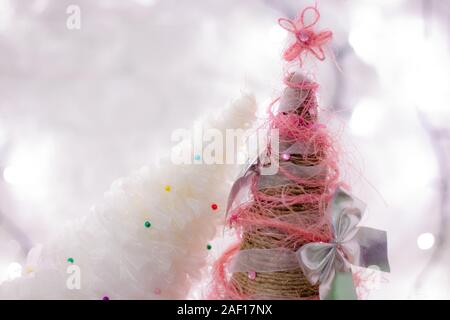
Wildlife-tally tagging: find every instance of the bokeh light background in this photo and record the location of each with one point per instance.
(80, 108)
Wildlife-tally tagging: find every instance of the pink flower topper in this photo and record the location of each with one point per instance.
(306, 40)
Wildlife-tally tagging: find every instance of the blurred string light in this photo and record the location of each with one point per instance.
(413, 71)
(378, 39)
(412, 67)
(405, 59)
(425, 241)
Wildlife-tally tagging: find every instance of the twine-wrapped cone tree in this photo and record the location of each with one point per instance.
(298, 233)
(286, 210)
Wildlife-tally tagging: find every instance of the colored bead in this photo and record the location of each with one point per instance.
(214, 206)
(286, 156)
(209, 247)
(147, 224)
(70, 260)
(157, 291)
(105, 298)
(197, 157)
(252, 275)
(167, 188)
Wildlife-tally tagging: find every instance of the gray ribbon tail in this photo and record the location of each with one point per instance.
(373, 248)
(241, 185)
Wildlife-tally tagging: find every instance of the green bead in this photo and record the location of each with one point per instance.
(209, 247)
(147, 224)
(70, 260)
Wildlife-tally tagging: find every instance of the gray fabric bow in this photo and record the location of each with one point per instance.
(324, 263)
(327, 264)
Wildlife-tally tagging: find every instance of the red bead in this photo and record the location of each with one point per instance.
(214, 206)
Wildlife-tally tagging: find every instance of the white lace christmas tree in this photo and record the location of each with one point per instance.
(149, 237)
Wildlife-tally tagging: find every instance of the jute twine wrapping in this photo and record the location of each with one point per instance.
(290, 284)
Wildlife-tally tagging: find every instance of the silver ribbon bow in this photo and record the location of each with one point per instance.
(329, 264)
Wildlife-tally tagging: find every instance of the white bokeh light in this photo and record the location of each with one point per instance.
(14, 271)
(367, 25)
(425, 241)
(366, 117)
(28, 168)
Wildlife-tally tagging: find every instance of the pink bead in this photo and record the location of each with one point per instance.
(303, 36)
(157, 291)
(252, 275)
(286, 156)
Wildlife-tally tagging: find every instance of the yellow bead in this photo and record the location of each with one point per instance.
(167, 188)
